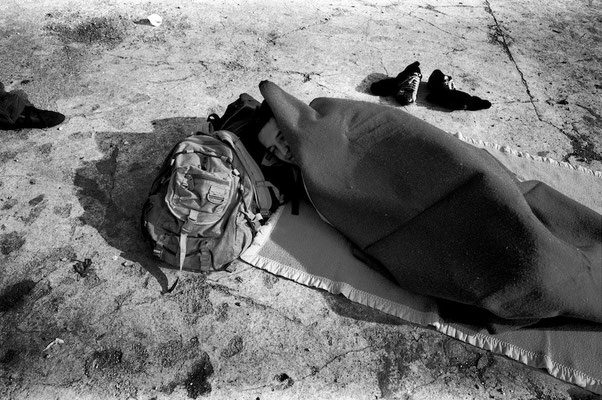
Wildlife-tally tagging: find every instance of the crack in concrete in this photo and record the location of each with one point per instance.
(317, 370)
(591, 111)
(274, 37)
(433, 9)
(151, 63)
(456, 6)
(578, 149)
(500, 38)
(367, 29)
(382, 63)
(227, 291)
(455, 50)
(159, 63)
(329, 88)
(174, 80)
(583, 147)
(424, 385)
(436, 27)
(229, 35)
(307, 76)
(514, 102)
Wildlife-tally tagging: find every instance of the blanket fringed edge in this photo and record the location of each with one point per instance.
(518, 153)
(530, 358)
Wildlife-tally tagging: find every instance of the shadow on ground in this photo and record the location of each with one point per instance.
(344, 307)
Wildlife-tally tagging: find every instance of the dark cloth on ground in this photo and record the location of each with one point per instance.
(16, 112)
(12, 105)
(443, 217)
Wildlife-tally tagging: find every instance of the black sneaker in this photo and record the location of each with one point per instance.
(408, 82)
(408, 89)
(392, 86)
(443, 92)
(438, 82)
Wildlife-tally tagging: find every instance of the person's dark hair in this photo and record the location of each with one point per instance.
(284, 176)
(249, 136)
(263, 114)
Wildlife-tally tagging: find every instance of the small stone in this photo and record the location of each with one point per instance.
(284, 380)
(155, 20)
(483, 362)
(235, 346)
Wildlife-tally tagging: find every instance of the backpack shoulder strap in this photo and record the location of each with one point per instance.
(261, 186)
(237, 114)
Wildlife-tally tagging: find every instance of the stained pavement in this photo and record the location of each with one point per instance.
(131, 90)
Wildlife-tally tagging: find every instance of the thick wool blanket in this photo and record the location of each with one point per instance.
(443, 217)
(307, 250)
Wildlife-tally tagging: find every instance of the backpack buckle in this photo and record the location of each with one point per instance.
(189, 224)
(158, 251)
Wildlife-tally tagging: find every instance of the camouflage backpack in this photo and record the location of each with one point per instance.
(206, 203)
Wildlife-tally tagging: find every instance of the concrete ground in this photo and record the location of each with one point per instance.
(130, 90)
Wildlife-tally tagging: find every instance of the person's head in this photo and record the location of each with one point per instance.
(272, 139)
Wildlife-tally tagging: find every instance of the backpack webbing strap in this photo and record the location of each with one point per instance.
(184, 231)
(261, 186)
(252, 218)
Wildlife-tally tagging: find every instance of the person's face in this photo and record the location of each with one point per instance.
(271, 138)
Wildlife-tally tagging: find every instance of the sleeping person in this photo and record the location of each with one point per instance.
(445, 218)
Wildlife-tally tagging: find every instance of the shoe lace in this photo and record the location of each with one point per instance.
(411, 83)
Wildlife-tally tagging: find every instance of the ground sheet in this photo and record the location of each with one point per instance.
(305, 249)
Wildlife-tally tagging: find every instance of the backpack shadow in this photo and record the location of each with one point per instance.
(112, 190)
